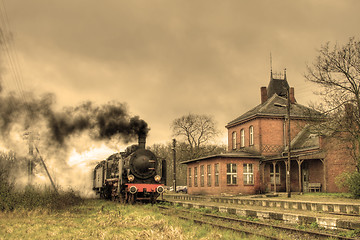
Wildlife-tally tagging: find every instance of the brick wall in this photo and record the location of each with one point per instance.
(316, 171)
(338, 160)
(268, 135)
(246, 126)
(223, 187)
(272, 136)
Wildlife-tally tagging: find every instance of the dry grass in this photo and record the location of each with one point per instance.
(96, 219)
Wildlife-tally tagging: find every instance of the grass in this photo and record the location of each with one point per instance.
(36, 197)
(98, 219)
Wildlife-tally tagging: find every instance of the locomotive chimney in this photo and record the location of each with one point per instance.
(142, 140)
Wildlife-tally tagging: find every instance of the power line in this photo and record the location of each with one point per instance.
(8, 47)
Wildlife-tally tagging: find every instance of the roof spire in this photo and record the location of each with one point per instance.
(278, 85)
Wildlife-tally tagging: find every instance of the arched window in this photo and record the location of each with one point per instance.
(242, 138)
(251, 135)
(234, 140)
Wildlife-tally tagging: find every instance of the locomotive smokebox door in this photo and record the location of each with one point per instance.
(142, 164)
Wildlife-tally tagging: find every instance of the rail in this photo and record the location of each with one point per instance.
(292, 231)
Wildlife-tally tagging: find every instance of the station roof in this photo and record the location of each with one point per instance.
(240, 154)
(276, 107)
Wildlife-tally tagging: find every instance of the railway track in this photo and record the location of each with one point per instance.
(247, 227)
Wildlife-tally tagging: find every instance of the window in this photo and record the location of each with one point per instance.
(209, 175)
(251, 135)
(231, 174)
(242, 138)
(202, 176)
(248, 174)
(277, 174)
(190, 183)
(195, 177)
(216, 174)
(234, 140)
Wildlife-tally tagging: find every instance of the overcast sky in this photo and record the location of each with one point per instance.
(168, 58)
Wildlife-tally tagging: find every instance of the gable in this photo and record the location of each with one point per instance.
(305, 139)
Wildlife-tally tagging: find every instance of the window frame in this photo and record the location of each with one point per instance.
(190, 179)
(216, 174)
(208, 180)
(242, 138)
(202, 176)
(277, 174)
(195, 177)
(248, 174)
(234, 140)
(251, 135)
(231, 176)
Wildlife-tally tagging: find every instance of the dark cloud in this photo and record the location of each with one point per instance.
(169, 58)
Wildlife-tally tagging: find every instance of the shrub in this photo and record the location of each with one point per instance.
(30, 197)
(36, 198)
(352, 182)
(6, 197)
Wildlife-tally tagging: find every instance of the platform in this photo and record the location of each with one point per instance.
(289, 211)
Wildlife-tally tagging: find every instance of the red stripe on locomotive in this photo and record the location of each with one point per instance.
(141, 186)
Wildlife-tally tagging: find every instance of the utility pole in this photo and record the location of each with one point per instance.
(174, 160)
(42, 161)
(288, 180)
(30, 137)
(287, 119)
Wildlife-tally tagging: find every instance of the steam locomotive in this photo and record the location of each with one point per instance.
(135, 174)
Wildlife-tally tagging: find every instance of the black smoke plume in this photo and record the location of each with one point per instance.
(102, 122)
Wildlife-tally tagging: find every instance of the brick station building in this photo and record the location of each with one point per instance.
(257, 153)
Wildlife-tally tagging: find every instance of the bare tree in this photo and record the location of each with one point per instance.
(337, 71)
(197, 131)
(165, 151)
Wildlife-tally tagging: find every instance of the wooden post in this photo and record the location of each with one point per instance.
(300, 177)
(274, 176)
(324, 169)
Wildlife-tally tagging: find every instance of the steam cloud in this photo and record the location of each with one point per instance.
(73, 131)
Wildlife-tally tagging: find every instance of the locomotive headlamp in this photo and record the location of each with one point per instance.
(157, 178)
(131, 178)
(132, 189)
(160, 189)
